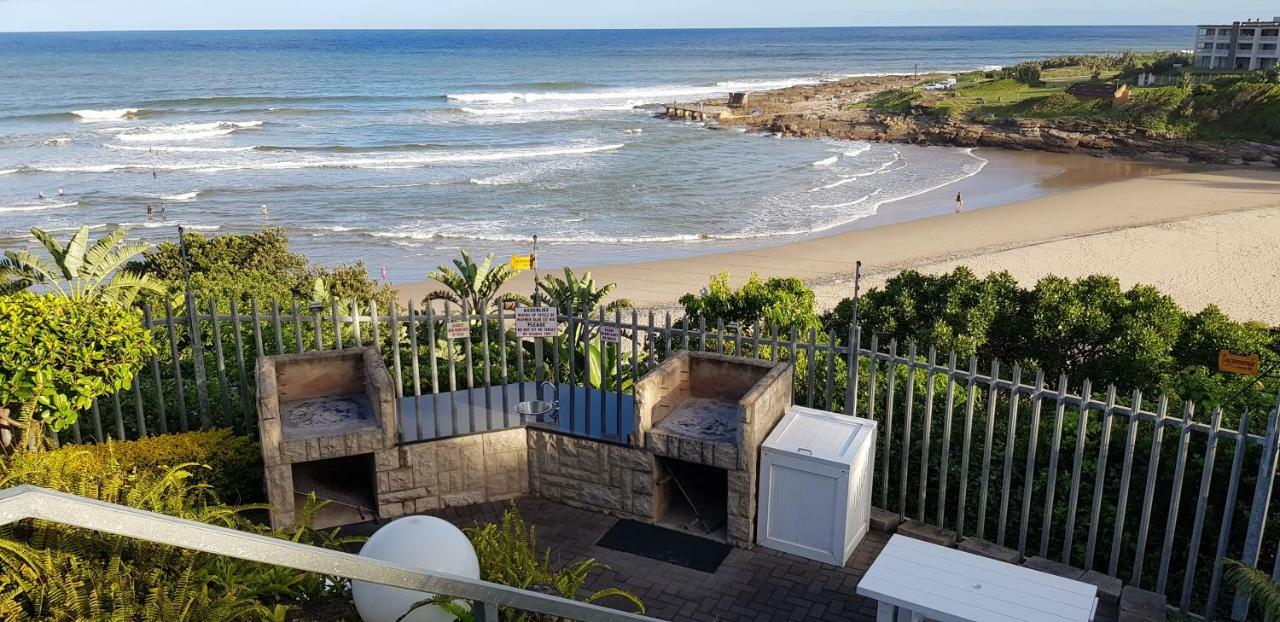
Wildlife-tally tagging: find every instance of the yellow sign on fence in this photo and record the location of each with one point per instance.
(522, 262)
(1232, 363)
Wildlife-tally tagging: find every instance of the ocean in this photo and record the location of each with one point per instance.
(402, 147)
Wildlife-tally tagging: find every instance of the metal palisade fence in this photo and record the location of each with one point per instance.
(1146, 490)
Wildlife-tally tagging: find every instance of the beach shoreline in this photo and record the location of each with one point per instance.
(1201, 236)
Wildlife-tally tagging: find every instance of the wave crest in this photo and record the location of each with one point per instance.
(98, 116)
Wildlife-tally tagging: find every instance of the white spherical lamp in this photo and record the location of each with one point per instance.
(424, 542)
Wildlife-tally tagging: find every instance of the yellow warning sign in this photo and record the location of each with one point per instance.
(1232, 363)
(522, 262)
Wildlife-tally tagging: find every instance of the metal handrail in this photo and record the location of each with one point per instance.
(23, 502)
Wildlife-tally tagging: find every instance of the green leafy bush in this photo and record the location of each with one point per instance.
(782, 303)
(1085, 328)
(58, 354)
(255, 266)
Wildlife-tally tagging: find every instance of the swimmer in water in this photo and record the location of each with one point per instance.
(264, 209)
(60, 192)
(150, 209)
(40, 194)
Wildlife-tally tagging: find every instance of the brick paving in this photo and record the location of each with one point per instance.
(751, 585)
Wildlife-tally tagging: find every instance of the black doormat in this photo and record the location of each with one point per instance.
(665, 545)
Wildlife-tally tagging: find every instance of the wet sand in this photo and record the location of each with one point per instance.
(1202, 236)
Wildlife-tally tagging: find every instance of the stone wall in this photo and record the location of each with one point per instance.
(658, 393)
(764, 407)
(591, 474)
(464, 470)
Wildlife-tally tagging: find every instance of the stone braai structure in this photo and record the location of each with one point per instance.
(328, 426)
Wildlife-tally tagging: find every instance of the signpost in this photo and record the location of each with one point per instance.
(1232, 363)
(458, 329)
(537, 322)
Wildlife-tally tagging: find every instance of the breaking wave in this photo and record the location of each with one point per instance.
(35, 207)
(184, 131)
(398, 162)
(97, 116)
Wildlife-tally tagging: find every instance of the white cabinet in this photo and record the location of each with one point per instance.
(815, 484)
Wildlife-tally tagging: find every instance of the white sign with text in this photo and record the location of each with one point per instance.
(537, 322)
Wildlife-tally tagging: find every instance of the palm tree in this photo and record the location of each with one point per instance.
(472, 284)
(573, 294)
(77, 269)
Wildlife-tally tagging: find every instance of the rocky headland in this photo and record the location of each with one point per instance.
(831, 110)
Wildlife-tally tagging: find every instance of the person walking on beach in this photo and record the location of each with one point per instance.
(384, 273)
(959, 203)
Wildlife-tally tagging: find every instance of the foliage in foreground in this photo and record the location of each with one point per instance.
(508, 554)
(52, 572)
(57, 354)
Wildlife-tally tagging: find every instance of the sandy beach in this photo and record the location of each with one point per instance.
(1202, 237)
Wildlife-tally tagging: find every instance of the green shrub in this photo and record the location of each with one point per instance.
(1085, 328)
(255, 266)
(58, 354)
(782, 303)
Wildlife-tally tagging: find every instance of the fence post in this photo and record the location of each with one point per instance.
(155, 373)
(177, 367)
(197, 360)
(1197, 529)
(1258, 510)
(1228, 511)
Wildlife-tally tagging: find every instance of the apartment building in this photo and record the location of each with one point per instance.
(1247, 45)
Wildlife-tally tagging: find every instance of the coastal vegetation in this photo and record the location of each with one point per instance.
(1230, 106)
(253, 267)
(1086, 328)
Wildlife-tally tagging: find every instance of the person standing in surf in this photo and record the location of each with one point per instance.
(959, 203)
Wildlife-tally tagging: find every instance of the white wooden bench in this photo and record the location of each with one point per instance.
(916, 581)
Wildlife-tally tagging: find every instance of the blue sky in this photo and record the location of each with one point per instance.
(28, 15)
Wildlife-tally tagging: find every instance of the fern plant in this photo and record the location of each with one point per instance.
(1255, 585)
(53, 572)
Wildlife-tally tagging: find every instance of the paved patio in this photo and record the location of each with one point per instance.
(755, 585)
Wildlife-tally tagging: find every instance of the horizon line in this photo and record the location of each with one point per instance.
(580, 29)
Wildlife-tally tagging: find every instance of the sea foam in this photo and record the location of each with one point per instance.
(97, 116)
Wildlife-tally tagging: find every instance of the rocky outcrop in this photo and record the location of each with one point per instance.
(1056, 135)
